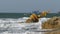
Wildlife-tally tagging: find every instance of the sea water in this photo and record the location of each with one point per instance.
(18, 26)
(14, 23)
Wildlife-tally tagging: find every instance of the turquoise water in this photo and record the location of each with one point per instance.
(18, 15)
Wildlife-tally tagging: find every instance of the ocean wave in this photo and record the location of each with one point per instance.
(9, 25)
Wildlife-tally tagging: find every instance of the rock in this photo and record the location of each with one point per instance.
(52, 23)
(33, 18)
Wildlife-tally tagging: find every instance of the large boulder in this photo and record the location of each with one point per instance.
(33, 18)
(52, 23)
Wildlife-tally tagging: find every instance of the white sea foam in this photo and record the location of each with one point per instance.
(9, 25)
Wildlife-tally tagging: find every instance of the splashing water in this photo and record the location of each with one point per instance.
(9, 25)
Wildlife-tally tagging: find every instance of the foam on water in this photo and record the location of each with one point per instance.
(8, 25)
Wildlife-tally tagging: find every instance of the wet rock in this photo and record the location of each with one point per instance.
(52, 23)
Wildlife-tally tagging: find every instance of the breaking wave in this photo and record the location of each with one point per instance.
(11, 25)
